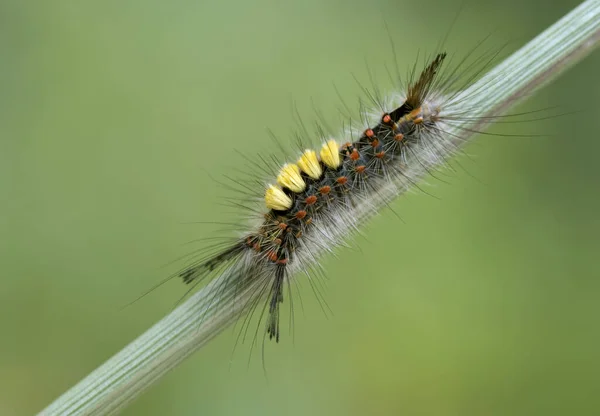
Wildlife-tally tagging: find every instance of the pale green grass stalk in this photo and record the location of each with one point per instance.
(126, 375)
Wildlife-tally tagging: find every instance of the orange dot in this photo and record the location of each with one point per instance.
(310, 200)
(375, 142)
(369, 133)
(360, 169)
(380, 154)
(354, 155)
(300, 214)
(386, 119)
(282, 225)
(342, 180)
(272, 255)
(399, 137)
(418, 120)
(324, 190)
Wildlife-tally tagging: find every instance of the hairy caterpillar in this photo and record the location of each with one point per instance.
(307, 202)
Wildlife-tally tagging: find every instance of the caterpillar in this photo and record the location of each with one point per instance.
(306, 204)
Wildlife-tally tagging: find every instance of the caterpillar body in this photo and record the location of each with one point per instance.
(308, 203)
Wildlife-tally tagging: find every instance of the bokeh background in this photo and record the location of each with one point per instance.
(481, 301)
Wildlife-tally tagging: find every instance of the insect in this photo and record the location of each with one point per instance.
(308, 201)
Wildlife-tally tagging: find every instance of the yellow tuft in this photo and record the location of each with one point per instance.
(276, 199)
(309, 164)
(289, 177)
(330, 154)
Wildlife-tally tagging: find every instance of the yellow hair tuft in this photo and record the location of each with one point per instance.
(309, 163)
(276, 199)
(289, 177)
(330, 154)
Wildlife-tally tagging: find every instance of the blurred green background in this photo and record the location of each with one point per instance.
(482, 301)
